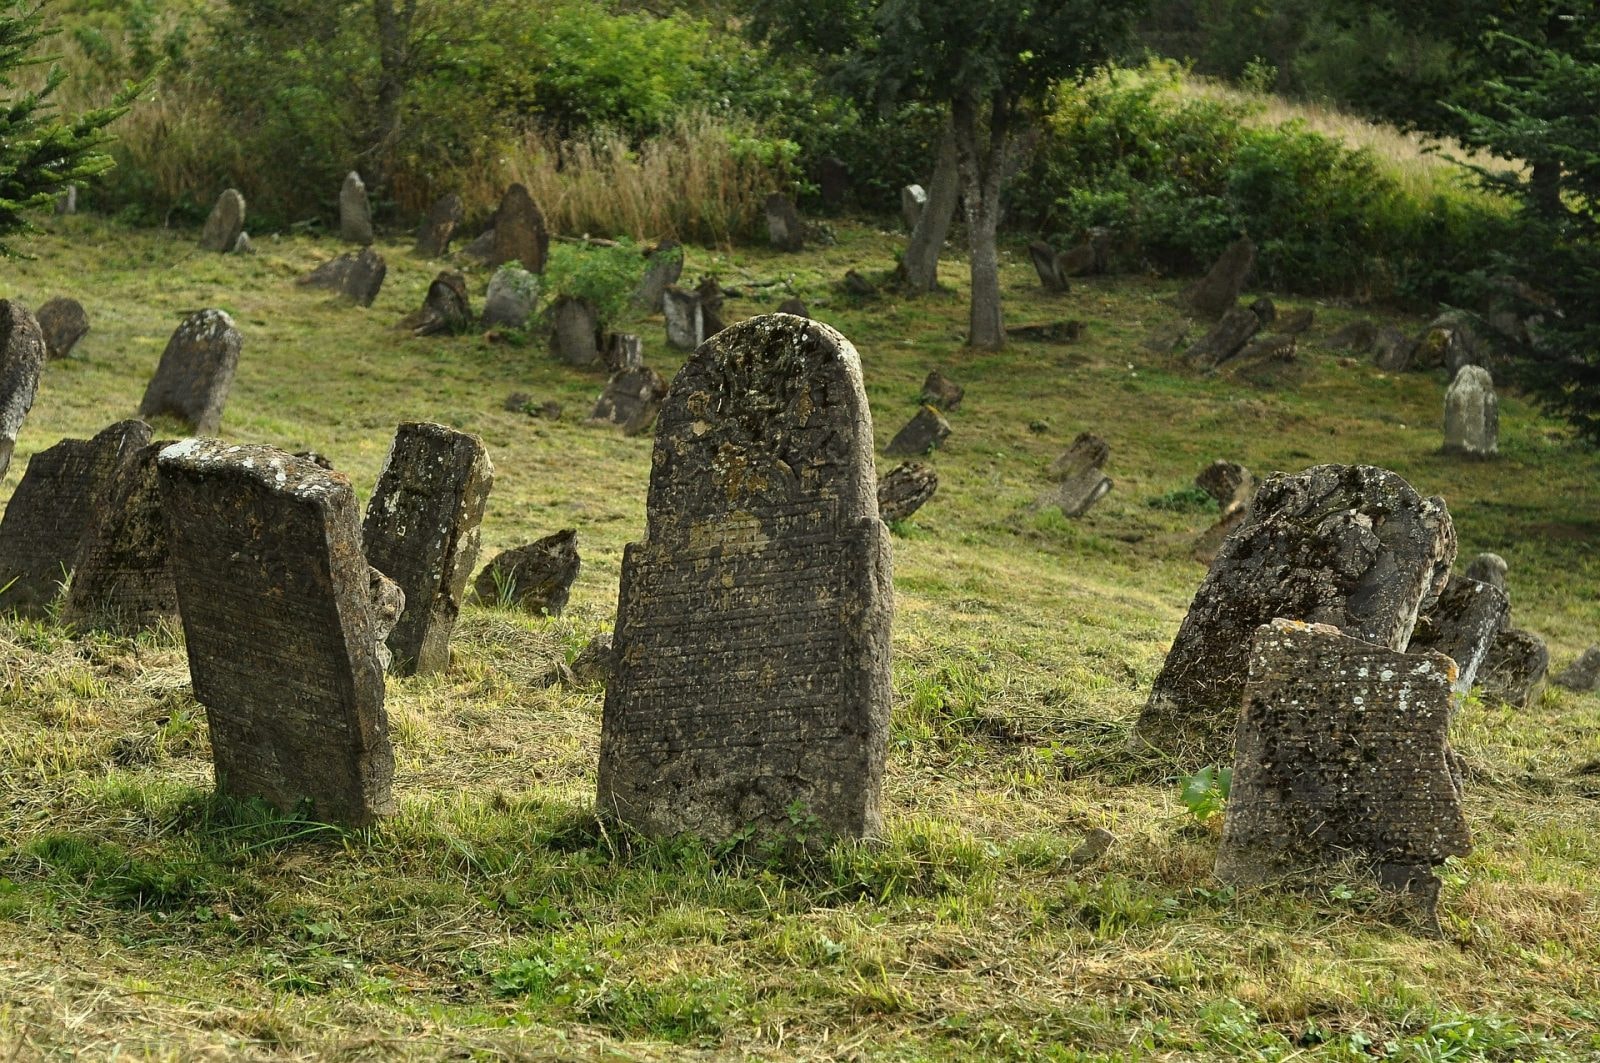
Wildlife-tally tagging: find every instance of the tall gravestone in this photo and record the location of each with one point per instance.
(519, 232)
(1472, 414)
(421, 531)
(122, 577)
(439, 228)
(277, 617)
(196, 372)
(22, 356)
(1349, 545)
(752, 633)
(355, 210)
(224, 224)
(662, 267)
(59, 499)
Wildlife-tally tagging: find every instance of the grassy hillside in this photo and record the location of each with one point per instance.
(493, 918)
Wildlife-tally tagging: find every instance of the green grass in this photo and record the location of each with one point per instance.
(494, 918)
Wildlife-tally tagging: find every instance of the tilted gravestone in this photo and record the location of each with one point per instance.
(905, 489)
(1392, 350)
(1472, 414)
(784, 231)
(122, 579)
(1226, 339)
(1462, 625)
(685, 318)
(446, 308)
(364, 279)
(277, 617)
(1079, 481)
(940, 392)
(923, 433)
(224, 224)
(1218, 291)
(536, 578)
(519, 232)
(330, 275)
(56, 504)
(63, 322)
(1582, 675)
(422, 531)
(1514, 669)
(513, 293)
(1342, 751)
(913, 201)
(1047, 264)
(752, 639)
(355, 210)
(196, 371)
(22, 357)
(1350, 545)
(439, 228)
(663, 266)
(631, 400)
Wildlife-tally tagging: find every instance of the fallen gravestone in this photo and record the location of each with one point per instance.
(663, 266)
(22, 357)
(1351, 545)
(1462, 625)
(575, 331)
(421, 530)
(1472, 415)
(196, 371)
(224, 224)
(536, 578)
(631, 400)
(1513, 671)
(513, 293)
(623, 350)
(274, 594)
(1079, 481)
(1582, 675)
(1218, 291)
(355, 210)
(439, 228)
(905, 489)
(1342, 751)
(122, 577)
(63, 323)
(57, 502)
(753, 624)
(940, 392)
(685, 318)
(784, 231)
(519, 232)
(913, 201)
(1226, 339)
(793, 306)
(923, 433)
(446, 309)
(1392, 350)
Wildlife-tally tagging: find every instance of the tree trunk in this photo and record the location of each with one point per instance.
(982, 175)
(394, 56)
(921, 263)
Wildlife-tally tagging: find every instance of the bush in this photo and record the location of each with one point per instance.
(604, 276)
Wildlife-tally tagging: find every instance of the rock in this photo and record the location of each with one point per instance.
(623, 350)
(784, 231)
(1228, 482)
(857, 285)
(364, 279)
(536, 578)
(22, 357)
(1472, 415)
(481, 247)
(1049, 332)
(663, 266)
(447, 308)
(224, 224)
(1582, 675)
(196, 372)
(1218, 291)
(631, 400)
(1095, 845)
(1296, 322)
(122, 578)
(598, 661)
(575, 337)
(1358, 336)
(913, 201)
(1265, 310)
(513, 293)
(322, 461)
(330, 275)
(1079, 481)
(62, 322)
(243, 245)
(422, 531)
(940, 392)
(1513, 671)
(905, 489)
(274, 594)
(1462, 625)
(685, 318)
(355, 211)
(439, 228)
(1351, 545)
(1392, 350)
(1046, 263)
(753, 625)
(1490, 569)
(519, 232)
(387, 603)
(1227, 338)
(923, 433)
(795, 307)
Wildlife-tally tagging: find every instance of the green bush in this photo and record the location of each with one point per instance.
(605, 276)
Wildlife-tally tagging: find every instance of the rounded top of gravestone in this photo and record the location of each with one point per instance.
(1472, 376)
(1488, 568)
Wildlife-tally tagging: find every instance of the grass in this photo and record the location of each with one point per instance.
(493, 918)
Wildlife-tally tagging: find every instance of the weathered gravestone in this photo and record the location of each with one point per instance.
(793, 305)
(1350, 545)
(1462, 625)
(277, 617)
(905, 489)
(631, 400)
(711, 297)
(22, 356)
(388, 604)
(513, 293)
(446, 308)
(244, 245)
(685, 318)
(1392, 350)
(439, 228)
(1226, 339)
(196, 371)
(1232, 485)
(1046, 263)
(1490, 569)
(1582, 675)
(224, 223)
(67, 201)
(519, 232)
(421, 530)
(623, 350)
(752, 634)
(1265, 310)
(63, 323)
(1342, 751)
(1079, 481)
(924, 432)
(536, 578)
(575, 331)
(122, 579)
(662, 267)
(940, 392)
(784, 230)
(58, 501)
(355, 275)
(913, 201)
(1218, 291)
(1472, 415)
(355, 210)
(1513, 671)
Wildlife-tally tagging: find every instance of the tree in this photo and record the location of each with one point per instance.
(41, 152)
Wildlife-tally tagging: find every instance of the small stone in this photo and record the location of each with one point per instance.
(857, 285)
(940, 392)
(63, 322)
(1582, 675)
(536, 578)
(1472, 415)
(196, 372)
(224, 223)
(923, 433)
(513, 293)
(598, 661)
(355, 211)
(1094, 846)
(905, 489)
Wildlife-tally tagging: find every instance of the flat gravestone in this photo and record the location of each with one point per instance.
(57, 502)
(519, 232)
(1462, 625)
(905, 489)
(752, 634)
(513, 293)
(1342, 751)
(122, 579)
(1472, 415)
(224, 224)
(663, 266)
(439, 228)
(22, 357)
(1582, 675)
(196, 371)
(685, 317)
(923, 433)
(784, 231)
(355, 210)
(63, 322)
(1079, 481)
(1218, 291)
(421, 531)
(631, 400)
(536, 578)
(274, 593)
(1514, 669)
(1350, 545)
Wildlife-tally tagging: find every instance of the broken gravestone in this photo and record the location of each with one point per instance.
(513, 293)
(575, 331)
(388, 604)
(196, 371)
(685, 318)
(940, 392)
(519, 232)
(363, 280)
(663, 265)
(1342, 751)
(274, 594)
(421, 530)
(439, 228)
(355, 211)
(905, 489)
(1218, 291)
(923, 433)
(63, 323)
(1462, 625)
(711, 297)
(784, 231)
(446, 309)
(1513, 671)
(1472, 415)
(1226, 339)
(623, 350)
(1079, 481)
(224, 224)
(1582, 675)
(1046, 263)
(536, 578)
(1232, 485)
(56, 503)
(752, 684)
(1350, 545)
(22, 357)
(631, 400)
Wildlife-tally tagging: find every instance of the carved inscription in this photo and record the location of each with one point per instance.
(122, 578)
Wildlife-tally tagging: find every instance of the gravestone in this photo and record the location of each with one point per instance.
(63, 323)
(913, 201)
(598, 661)
(631, 400)
(447, 308)
(793, 306)
(355, 210)
(67, 201)
(1296, 322)
(1209, 543)
(1237, 327)
(711, 296)
(924, 432)
(1078, 260)
(1392, 350)
(940, 392)
(330, 275)
(1491, 569)
(753, 624)
(513, 293)
(623, 350)
(1046, 264)
(481, 247)
(1265, 310)
(1228, 482)
(1582, 675)
(387, 603)
(364, 279)
(1513, 671)
(905, 489)
(575, 332)
(196, 371)
(274, 593)
(519, 232)
(421, 530)
(1472, 415)
(663, 266)
(1218, 291)
(1462, 625)
(22, 356)
(536, 578)
(439, 228)
(1350, 545)
(833, 181)
(244, 245)
(59, 499)
(1358, 336)
(122, 578)
(1164, 339)
(784, 231)
(224, 223)
(1079, 481)
(857, 285)
(685, 318)
(1342, 751)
